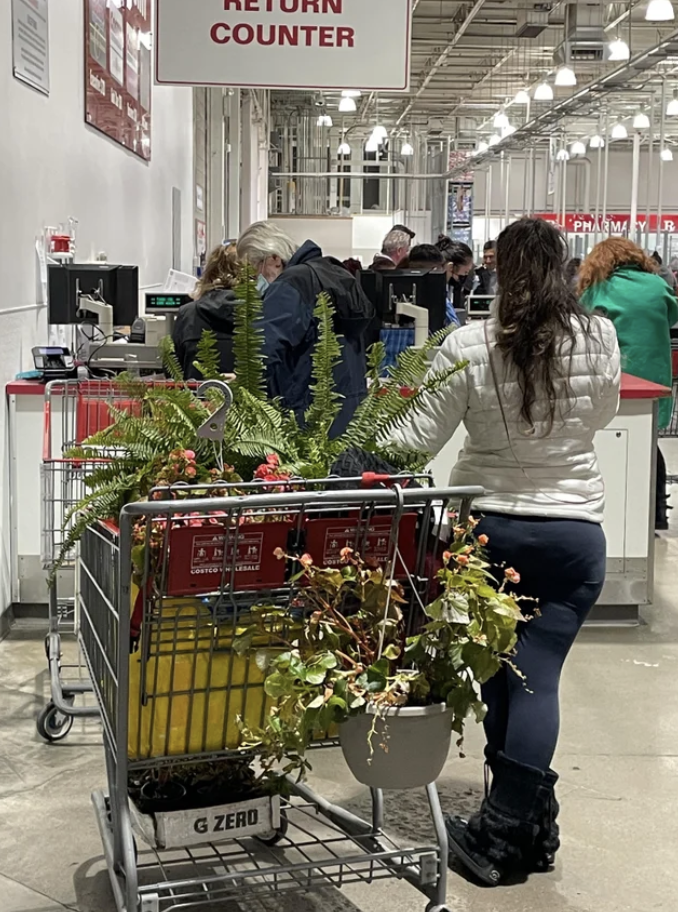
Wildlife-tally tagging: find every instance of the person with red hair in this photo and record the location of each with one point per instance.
(619, 280)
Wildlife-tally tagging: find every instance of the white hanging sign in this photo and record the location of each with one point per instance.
(30, 43)
(285, 44)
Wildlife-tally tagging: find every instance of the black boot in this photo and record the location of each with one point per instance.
(501, 837)
(547, 842)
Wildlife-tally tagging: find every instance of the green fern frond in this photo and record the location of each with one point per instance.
(208, 360)
(169, 360)
(248, 341)
(325, 402)
(361, 427)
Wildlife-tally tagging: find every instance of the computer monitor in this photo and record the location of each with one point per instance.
(478, 306)
(164, 304)
(425, 288)
(72, 284)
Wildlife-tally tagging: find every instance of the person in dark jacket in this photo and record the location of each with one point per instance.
(487, 274)
(395, 248)
(290, 329)
(459, 266)
(214, 308)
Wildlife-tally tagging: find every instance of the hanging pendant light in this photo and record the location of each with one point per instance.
(659, 11)
(407, 148)
(641, 121)
(494, 139)
(619, 131)
(325, 120)
(577, 148)
(522, 97)
(562, 155)
(666, 155)
(347, 106)
(508, 131)
(672, 106)
(501, 120)
(351, 93)
(380, 133)
(543, 92)
(565, 76)
(372, 144)
(481, 147)
(344, 148)
(618, 50)
(597, 142)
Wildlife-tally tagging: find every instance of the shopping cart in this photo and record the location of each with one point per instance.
(171, 686)
(74, 411)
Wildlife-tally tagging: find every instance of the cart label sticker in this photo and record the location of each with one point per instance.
(375, 543)
(177, 829)
(208, 553)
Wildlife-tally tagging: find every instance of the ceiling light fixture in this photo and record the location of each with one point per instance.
(324, 120)
(619, 131)
(380, 133)
(618, 50)
(659, 11)
(344, 148)
(494, 139)
(501, 120)
(666, 155)
(578, 148)
(565, 76)
(508, 131)
(672, 106)
(351, 93)
(562, 155)
(482, 147)
(372, 144)
(407, 149)
(522, 97)
(597, 141)
(641, 121)
(347, 106)
(543, 92)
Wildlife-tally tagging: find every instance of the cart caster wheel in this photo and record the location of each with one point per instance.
(52, 724)
(275, 836)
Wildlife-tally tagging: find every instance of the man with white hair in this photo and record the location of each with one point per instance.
(292, 279)
(395, 248)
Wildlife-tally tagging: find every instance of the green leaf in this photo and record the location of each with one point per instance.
(392, 652)
(278, 685)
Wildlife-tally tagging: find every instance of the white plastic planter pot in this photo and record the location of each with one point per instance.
(417, 739)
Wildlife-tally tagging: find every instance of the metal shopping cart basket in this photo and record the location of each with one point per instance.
(74, 411)
(171, 688)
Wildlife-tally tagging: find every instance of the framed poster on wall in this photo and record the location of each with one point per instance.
(118, 71)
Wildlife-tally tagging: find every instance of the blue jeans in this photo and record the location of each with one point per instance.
(562, 564)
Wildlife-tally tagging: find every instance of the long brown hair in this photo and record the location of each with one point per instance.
(537, 311)
(610, 255)
(221, 271)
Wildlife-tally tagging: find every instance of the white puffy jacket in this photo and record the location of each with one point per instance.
(552, 474)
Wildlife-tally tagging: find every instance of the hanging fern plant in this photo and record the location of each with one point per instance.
(142, 441)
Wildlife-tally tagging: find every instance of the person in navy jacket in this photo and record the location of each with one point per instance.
(290, 329)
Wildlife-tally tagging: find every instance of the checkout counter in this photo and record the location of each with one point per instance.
(626, 450)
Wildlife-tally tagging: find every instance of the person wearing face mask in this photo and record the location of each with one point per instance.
(292, 278)
(459, 266)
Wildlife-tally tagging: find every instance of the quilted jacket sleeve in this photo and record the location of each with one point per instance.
(610, 360)
(439, 414)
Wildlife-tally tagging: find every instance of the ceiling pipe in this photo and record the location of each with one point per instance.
(569, 106)
(458, 35)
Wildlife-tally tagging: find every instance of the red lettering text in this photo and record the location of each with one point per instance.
(289, 6)
(345, 37)
(243, 33)
(288, 35)
(260, 35)
(326, 35)
(310, 6)
(252, 6)
(233, 4)
(219, 33)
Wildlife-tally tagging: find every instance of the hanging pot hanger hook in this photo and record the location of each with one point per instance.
(213, 428)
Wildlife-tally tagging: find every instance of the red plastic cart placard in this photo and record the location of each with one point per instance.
(326, 538)
(198, 556)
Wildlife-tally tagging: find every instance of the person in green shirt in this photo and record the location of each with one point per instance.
(619, 280)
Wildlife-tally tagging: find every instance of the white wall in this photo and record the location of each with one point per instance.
(53, 166)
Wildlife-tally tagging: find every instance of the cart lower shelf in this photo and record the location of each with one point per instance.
(322, 845)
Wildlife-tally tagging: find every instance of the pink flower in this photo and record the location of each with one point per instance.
(512, 575)
(462, 559)
(306, 560)
(279, 553)
(346, 554)
(447, 556)
(191, 471)
(189, 455)
(483, 540)
(273, 460)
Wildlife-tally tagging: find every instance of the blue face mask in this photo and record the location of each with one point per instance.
(262, 284)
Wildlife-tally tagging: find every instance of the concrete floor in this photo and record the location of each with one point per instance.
(618, 758)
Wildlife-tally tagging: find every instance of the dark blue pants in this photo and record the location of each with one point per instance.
(562, 564)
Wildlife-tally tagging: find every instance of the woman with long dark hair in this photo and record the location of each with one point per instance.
(543, 377)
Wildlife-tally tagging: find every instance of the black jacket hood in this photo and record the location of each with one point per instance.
(217, 308)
